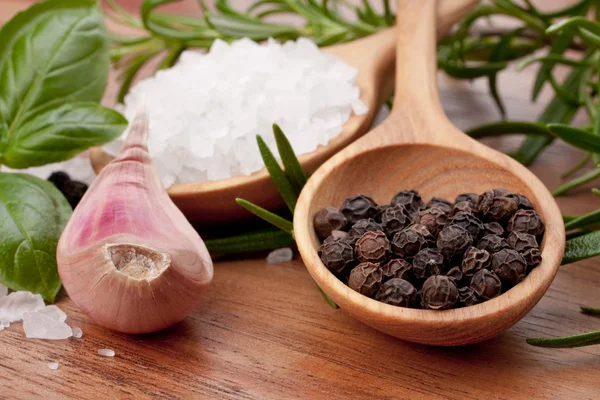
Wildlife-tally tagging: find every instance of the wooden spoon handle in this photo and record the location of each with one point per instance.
(416, 60)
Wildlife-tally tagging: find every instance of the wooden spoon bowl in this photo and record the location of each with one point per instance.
(418, 148)
(213, 202)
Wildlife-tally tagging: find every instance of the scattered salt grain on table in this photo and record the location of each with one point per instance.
(53, 365)
(77, 333)
(106, 352)
(280, 255)
(206, 111)
(47, 323)
(16, 304)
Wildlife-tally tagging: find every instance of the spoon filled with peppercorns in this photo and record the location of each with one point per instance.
(450, 242)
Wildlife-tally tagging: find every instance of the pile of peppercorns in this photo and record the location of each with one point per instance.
(437, 255)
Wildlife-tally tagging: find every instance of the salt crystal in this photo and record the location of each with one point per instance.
(359, 108)
(13, 306)
(3, 290)
(47, 323)
(206, 110)
(284, 254)
(77, 333)
(106, 352)
(4, 325)
(53, 365)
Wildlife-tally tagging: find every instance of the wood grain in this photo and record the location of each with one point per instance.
(373, 57)
(265, 333)
(417, 147)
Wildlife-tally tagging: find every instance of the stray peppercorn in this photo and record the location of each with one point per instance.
(365, 278)
(439, 293)
(372, 247)
(397, 292)
(486, 284)
(327, 220)
(359, 207)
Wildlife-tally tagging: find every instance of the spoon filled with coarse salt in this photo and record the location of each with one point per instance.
(209, 196)
(417, 147)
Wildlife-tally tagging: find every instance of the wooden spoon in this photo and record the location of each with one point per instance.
(213, 202)
(417, 147)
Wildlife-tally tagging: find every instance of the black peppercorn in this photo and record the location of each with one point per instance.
(409, 199)
(372, 247)
(428, 262)
(407, 243)
(453, 241)
(337, 256)
(397, 292)
(433, 218)
(486, 284)
(359, 207)
(510, 266)
(533, 257)
(492, 243)
(493, 228)
(440, 203)
(380, 210)
(468, 221)
(475, 260)
(526, 221)
(327, 220)
(341, 236)
(522, 242)
(467, 296)
(438, 293)
(74, 191)
(365, 278)
(463, 207)
(522, 201)
(398, 268)
(472, 198)
(59, 178)
(493, 206)
(457, 276)
(363, 226)
(394, 219)
(422, 229)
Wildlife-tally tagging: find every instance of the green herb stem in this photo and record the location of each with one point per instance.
(585, 339)
(577, 182)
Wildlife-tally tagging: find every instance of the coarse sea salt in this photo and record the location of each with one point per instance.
(77, 333)
(277, 256)
(16, 304)
(106, 352)
(47, 323)
(206, 111)
(3, 290)
(53, 365)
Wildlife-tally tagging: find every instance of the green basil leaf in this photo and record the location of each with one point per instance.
(60, 133)
(33, 214)
(54, 52)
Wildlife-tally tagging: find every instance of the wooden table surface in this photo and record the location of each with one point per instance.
(264, 332)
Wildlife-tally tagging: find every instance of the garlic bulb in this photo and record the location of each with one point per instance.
(128, 257)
